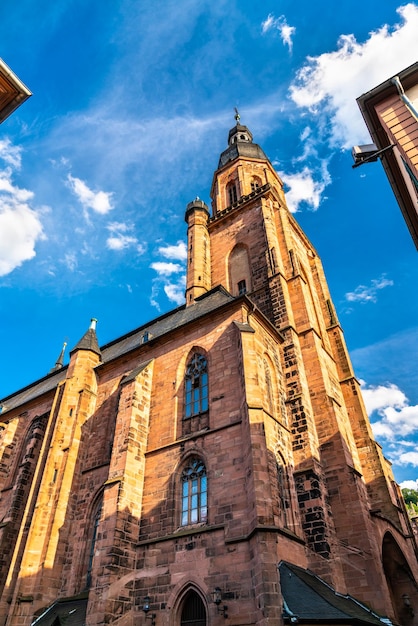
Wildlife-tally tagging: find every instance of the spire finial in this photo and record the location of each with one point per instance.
(93, 323)
(237, 115)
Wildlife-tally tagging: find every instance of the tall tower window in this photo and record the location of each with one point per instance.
(242, 287)
(194, 505)
(232, 192)
(196, 386)
(255, 183)
(239, 270)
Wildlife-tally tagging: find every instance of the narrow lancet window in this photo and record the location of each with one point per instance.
(194, 506)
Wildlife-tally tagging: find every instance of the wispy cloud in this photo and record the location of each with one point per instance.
(98, 201)
(280, 24)
(364, 293)
(121, 238)
(20, 224)
(171, 276)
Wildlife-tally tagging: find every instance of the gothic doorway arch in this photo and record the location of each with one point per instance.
(192, 610)
(400, 580)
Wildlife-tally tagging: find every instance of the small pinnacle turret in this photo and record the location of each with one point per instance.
(60, 361)
(89, 340)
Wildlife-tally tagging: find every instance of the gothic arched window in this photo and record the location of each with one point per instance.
(232, 194)
(93, 539)
(284, 492)
(269, 393)
(196, 386)
(194, 503)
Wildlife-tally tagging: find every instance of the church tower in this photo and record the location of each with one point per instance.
(347, 498)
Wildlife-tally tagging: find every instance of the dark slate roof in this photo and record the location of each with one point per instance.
(175, 319)
(36, 389)
(207, 303)
(88, 342)
(240, 143)
(307, 598)
(244, 149)
(69, 612)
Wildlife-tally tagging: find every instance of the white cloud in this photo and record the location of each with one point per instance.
(279, 23)
(364, 293)
(10, 154)
(177, 252)
(397, 419)
(409, 484)
(381, 396)
(98, 201)
(175, 291)
(20, 224)
(166, 269)
(173, 287)
(408, 458)
(305, 186)
(329, 84)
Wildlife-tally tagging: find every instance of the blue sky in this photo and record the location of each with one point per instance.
(132, 105)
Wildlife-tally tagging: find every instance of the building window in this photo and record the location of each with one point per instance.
(268, 388)
(232, 193)
(196, 400)
(242, 287)
(284, 492)
(93, 540)
(194, 507)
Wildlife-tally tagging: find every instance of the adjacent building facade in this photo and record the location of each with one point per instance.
(12, 91)
(215, 466)
(391, 114)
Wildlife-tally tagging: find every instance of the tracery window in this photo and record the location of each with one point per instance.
(196, 386)
(194, 508)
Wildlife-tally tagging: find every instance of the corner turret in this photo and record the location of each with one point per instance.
(89, 340)
(198, 250)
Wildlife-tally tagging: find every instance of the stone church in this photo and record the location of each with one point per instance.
(216, 465)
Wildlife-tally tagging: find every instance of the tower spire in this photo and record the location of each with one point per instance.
(60, 361)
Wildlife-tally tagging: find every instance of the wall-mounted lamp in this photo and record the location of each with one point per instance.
(217, 598)
(146, 608)
(367, 153)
